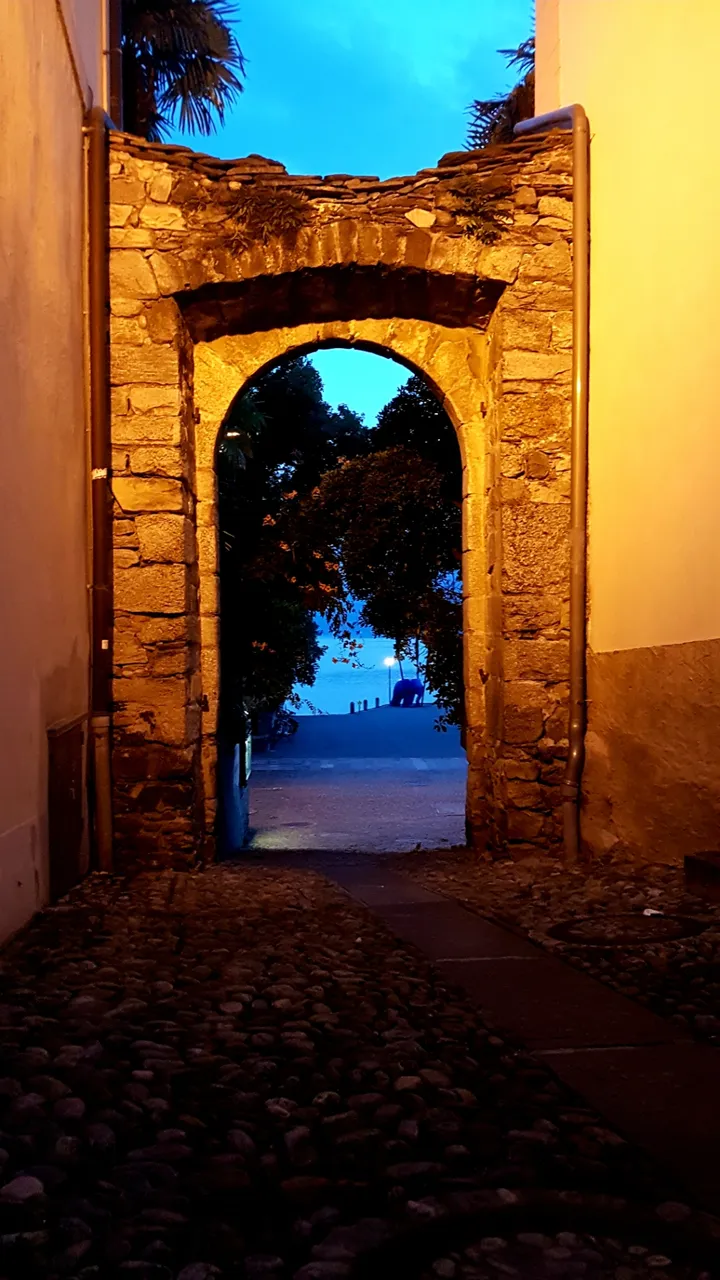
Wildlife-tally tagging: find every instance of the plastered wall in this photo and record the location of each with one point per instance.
(45, 84)
(646, 73)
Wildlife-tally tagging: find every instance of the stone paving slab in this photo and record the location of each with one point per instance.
(642, 1072)
(666, 1098)
(551, 1006)
(509, 976)
(633, 915)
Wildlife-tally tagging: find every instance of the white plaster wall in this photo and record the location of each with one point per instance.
(44, 88)
(646, 73)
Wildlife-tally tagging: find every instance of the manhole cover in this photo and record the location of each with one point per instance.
(627, 930)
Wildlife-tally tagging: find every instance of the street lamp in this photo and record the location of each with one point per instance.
(389, 663)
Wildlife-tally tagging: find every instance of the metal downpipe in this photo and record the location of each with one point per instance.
(575, 118)
(100, 498)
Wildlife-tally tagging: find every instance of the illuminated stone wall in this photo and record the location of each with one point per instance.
(463, 272)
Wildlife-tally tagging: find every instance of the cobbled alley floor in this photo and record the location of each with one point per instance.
(243, 1073)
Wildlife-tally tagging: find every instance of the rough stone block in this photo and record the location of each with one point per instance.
(501, 263)
(525, 795)
(556, 726)
(118, 214)
(536, 547)
(154, 630)
(537, 465)
(162, 217)
(161, 186)
(146, 428)
(535, 366)
(125, 558)
(526, 330)
(165, 538)
(170, 273)
(562, 331)
(127, 649)
(163, 320)
(150, 691)
(148, 493)
(147, 720)
(131, 238)
(127, 191)
(144, 399)
(149, 762)
(551, 262)
(535, 410)
(522, 725)
(151, 363)
(129, 330)
(153, 588)
(521, 770)
(155, 460)
(176, 660)
(512, 460)
(131, 275)
(546, 660)
(556, 207)
(207, 543)
(523, 825)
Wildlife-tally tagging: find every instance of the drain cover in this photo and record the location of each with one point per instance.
(626, 930)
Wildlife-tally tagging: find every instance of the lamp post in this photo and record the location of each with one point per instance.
(389, 663)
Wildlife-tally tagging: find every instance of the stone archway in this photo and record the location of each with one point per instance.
(219, 268)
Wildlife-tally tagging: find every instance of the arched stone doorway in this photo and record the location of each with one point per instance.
(454, 364)
(218, 269)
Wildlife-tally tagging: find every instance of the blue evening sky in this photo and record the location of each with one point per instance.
(364, 87)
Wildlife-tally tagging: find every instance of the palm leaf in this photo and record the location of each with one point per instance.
(181, 64)
(493, 119)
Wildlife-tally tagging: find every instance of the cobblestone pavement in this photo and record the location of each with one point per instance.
(676, 977)
(241, 1073)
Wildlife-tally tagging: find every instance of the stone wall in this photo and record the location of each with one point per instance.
(219, 268)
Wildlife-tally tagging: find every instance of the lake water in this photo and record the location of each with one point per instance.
(338, 684)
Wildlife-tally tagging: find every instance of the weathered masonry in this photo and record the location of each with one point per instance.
(463, 272)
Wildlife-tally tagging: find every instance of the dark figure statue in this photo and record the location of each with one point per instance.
(408, 693)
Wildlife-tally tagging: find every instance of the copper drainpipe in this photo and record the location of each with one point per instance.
(96, 129)
(574, 117)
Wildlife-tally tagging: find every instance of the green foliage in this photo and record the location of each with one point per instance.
(483, 208)
(181, 65)
(277, 441)
(263, 211)
(415, 419)
(392, 520)
(492, 120)
(317, 512)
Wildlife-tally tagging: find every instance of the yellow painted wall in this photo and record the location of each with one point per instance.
(46, 75)
(646, 73)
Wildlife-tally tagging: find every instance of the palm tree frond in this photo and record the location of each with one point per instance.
(492, 120)
(181, 63)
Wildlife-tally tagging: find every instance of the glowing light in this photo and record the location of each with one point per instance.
(389, 662)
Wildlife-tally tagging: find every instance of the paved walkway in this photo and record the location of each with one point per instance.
(380, 781)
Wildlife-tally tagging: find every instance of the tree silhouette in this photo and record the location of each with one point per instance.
(181, 65)
(493, 119)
